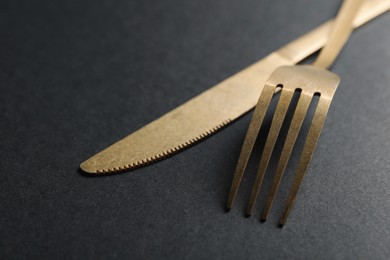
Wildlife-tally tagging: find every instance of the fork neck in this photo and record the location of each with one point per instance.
(340, 32)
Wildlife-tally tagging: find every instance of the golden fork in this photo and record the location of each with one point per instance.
(310, 80)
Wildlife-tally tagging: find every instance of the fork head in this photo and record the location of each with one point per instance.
(310, 81)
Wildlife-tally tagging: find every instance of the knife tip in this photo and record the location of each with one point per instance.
(86, 167)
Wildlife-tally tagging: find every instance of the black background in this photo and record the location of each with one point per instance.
(76, 76)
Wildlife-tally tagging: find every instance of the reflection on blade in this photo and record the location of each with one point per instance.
(187, 124)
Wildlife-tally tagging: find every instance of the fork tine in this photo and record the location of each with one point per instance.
(277, 122)
(295, 126)
(250, 138)
(307, 153)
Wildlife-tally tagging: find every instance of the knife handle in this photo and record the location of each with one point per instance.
(311, 42)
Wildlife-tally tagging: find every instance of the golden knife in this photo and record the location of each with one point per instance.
(213, 109)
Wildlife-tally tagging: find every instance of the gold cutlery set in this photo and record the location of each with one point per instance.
(254, 86)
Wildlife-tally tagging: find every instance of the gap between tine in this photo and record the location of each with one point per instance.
(307, 153)
(295, 126)
(273, 133)
(250, 138)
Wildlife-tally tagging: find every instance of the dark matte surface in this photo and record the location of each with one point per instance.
(76, 76)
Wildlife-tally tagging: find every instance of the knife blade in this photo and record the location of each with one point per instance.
(213, 109)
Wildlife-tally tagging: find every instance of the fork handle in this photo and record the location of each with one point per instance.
(341, 30)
